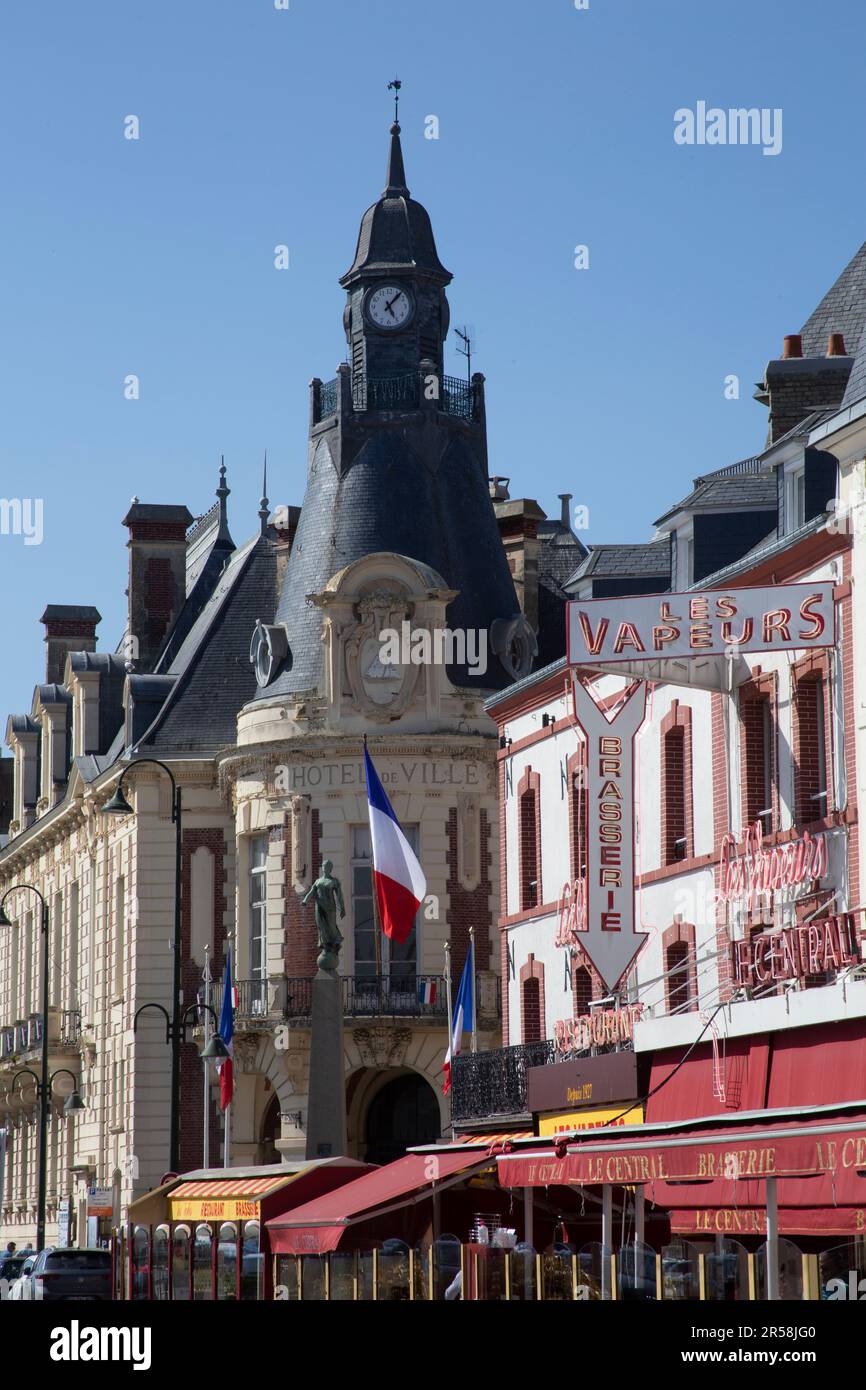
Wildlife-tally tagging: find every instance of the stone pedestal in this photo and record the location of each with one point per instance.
(326, 1107)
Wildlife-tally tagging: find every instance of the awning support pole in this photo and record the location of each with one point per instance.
(527, 1216)
(639, 1215)
(606, 1238)
(772, 1240)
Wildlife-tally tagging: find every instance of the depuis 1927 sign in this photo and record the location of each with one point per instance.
(781, 617)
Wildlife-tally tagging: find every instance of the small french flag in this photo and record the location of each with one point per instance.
(226, 1032)
(464, 1016)
(427, 992)
(398, 877)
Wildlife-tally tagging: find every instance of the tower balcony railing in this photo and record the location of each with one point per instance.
(486, 1085)
(450, 394)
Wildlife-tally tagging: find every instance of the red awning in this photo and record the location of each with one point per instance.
(319, 1225)
(682, 1090)
(738, 1157)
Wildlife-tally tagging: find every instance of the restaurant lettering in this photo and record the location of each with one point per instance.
(599, 1028)
(751, 871)
(827, 944)
(781, 617)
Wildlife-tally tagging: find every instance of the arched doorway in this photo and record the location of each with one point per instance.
(270, 1133)
(403, 1112)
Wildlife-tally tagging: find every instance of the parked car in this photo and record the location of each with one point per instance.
(66, 1274)
(20, 1288)
(10, 1269)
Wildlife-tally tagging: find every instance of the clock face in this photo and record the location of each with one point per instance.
(389, 306)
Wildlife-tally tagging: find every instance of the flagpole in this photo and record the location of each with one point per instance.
(205, 1148)
(474, 992)
(449, 1006)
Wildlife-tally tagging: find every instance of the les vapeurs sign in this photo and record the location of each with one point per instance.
(778, 618)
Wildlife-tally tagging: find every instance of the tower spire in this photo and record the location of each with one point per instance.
(395, 181)
(264, 507)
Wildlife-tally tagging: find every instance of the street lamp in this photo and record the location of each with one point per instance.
(73, 1102)
(175, 1029)
(43, 1081)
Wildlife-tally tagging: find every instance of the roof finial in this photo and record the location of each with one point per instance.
(264, 507)
(222, 493)
(395, 181)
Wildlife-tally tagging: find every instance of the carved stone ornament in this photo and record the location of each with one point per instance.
(381, 691)
(515, 643)
(382, 1045)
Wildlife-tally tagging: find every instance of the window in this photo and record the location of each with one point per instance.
(72, 951)
(582, 991)
(757, 758)
(119, 932)
(675, 844)
(811, 749)
(258, 907)
(679, 987)
(578, 811)
(375, 953)
(532, 1027)
(529, 839)
(797, 498)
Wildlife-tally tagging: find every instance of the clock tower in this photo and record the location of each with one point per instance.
(396, 475)
(396, 314)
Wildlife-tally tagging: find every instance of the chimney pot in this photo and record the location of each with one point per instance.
(564, 514)
(793, 346)
(836, 345)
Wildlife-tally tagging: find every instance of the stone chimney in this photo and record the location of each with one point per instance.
(157, 577)
(518, 526)
(794, 386)
(69, 628)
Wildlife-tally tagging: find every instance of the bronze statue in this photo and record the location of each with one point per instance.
(327, 894)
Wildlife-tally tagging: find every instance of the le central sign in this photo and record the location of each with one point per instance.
(829, 943)
(781, 617)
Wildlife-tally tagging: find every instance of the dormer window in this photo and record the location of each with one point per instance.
(796, 499)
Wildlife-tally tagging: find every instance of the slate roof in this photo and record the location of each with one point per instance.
(559, 553)
(856, 388)
(214, 677)
(842, 310)
(395, 230)
(732, 492)
(652, 558)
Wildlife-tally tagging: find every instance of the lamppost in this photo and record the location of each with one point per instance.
(174, 1026)
(43, 1081)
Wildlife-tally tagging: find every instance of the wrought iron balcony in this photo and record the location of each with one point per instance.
(364, 996)
(485, 1085)
(454, 396)
(394, 996)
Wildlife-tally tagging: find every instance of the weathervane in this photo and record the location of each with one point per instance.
(395, 87)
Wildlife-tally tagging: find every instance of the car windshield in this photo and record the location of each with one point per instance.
(78, 1259)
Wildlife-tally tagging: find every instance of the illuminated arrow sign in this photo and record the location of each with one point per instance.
(610, 941)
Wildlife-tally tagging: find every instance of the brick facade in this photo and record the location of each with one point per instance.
(677, 809)
(532, 1006)
(529, 844)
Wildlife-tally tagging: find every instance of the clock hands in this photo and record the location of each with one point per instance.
(393, 301)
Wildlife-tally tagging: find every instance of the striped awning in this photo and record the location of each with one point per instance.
(485, 1140)
(239, 1189)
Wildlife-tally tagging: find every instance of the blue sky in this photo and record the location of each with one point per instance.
(261, 126)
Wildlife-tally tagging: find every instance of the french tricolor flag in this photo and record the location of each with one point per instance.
(226, 1032)
(464, 1016)
(398, 877)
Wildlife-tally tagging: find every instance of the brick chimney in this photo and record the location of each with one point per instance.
(794, 386)
(157, 577)
(69, 628)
